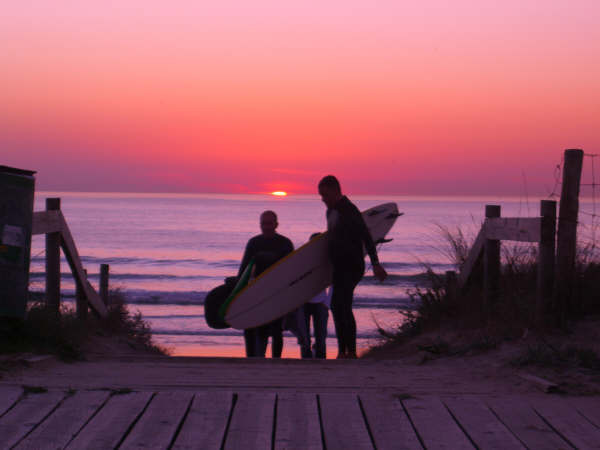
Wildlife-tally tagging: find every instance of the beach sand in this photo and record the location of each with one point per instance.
(114, 363)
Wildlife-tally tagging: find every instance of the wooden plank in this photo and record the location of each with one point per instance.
(565, 419)
(206, 422)
(70, 251)
(589, 407)
(435, 425)
(298, 422)
(252, 421)
(482, 426)
(388, 422)
(53, 261)
(103, 285)
(474, 253)
(46, 222)
(343, 422)
(525, 424)
(546, 263)
(491, 265)
(25, 416)
(522, 229)
(65, 422)
(158, 425)
(112, 422)
(566, 237)
(81, 301)
(8, 397)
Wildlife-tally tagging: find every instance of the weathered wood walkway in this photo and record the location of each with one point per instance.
(98, 419)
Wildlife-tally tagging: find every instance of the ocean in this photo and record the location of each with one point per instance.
(166, 251)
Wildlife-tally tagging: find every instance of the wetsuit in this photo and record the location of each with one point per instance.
(347, 235)
(265, 251)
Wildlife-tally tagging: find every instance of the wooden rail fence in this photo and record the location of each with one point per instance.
(52, 223)
(556, 255)
(495, 229)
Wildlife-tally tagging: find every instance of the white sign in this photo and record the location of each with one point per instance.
(14, 236)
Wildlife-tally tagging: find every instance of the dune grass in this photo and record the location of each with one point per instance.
(512, 315)
(45, 332)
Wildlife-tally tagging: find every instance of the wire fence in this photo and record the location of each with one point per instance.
(588, 222)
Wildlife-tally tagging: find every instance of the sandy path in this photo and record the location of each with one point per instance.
(445, 376)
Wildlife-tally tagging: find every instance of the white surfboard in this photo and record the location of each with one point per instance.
(298, 277)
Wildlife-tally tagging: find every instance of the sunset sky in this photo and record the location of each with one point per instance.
(430, 97)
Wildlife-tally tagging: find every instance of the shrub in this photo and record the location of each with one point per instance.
(512, 313)
(63, 334)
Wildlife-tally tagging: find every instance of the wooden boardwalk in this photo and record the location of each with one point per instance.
(183, 419)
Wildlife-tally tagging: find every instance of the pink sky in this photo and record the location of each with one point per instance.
(432, 97)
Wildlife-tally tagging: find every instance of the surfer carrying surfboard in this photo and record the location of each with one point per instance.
(265, 249)
(347, 235)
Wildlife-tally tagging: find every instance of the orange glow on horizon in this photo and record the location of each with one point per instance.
(279, 193)
(393, 97)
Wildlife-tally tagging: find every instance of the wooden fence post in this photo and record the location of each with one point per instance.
(567, 235)
(82, 305)
(53, 262)
(104, 283)
(491, 264)
(545, 275)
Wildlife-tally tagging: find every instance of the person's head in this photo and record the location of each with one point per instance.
(330, 190)
(268, 223)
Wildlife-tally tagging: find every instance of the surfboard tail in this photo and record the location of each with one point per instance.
(241, 284)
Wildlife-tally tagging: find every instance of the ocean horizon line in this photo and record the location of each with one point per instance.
(529, 197)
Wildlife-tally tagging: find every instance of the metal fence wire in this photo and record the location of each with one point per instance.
(587, 229)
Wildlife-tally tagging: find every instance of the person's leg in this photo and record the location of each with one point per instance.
(262, 338)
(250, 341)
(337, 311)
(307, 311)
(347, 318)
(344, 282)
(350, 333)
(276, 345)
(276, 332)
(294, 322)
(351, 322)
(320, 316)
(303, 333)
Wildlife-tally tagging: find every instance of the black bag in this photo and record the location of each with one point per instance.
(213, 302)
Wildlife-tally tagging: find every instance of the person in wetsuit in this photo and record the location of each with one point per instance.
(318, 308)
(347, 234)
(266, 249)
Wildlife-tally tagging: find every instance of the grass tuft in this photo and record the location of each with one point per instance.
(545, 355)
(438, 305)
(45, 332)
(120, 321)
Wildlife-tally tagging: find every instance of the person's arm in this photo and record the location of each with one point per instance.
(248, 253)
(365, 236)
(367, 239)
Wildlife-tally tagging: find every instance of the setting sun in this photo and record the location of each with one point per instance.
(279, 193)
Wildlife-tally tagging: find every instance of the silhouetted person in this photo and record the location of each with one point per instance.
(347, 234)
(318, 309)
(266, 249)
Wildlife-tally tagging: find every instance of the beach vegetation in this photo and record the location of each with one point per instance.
(44, 331)
(544, 354)
(439, 306)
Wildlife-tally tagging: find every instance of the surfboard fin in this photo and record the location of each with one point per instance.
(383, 241)
(394, 215)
